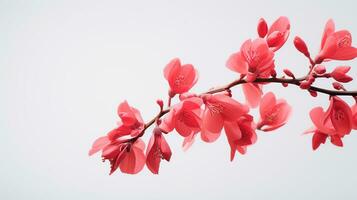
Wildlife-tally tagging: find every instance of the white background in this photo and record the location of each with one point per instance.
(66, 65)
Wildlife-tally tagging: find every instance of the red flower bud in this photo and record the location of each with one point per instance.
(273, 73)
(274, 38)
(262, 28)
(301, 46)
(340, 74)
(337, 85)
(305, 85)
(313, 93)
(160, 103)
(320, 69)
(289, 73)
(285, 84)
(311, 79)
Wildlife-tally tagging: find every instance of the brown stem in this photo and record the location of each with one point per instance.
(258, 80)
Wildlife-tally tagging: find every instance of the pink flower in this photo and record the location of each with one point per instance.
(157, 149)
(131, 122)
(219, 109)
(184, 117)
(273, 113)
(254, 59)
(181, 78)
(336, 45)
(127, 156)
(278, 33)
(337, 120)
(340, 74)
(240, 134)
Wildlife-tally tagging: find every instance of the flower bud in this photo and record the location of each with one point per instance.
(289, 73)
(301, 46)
(320, 69)
(340, 74)
(337, 85)
(305, 85)
(311, 79)
(262, 28)
(274, 38)
(313, 93)
(160, 103)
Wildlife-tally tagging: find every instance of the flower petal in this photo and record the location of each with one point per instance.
(252, 93)
(98, 145)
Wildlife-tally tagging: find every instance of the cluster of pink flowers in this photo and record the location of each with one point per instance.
(206, 115)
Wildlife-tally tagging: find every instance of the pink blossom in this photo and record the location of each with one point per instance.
(336, 45)
(273, 113)
(184, 117)
(340, 74)
(240, 134)
(131, 122)
(278, 33)
(219, 109)
(127, 156)
(181, 78)
(254, 59)
(337, 120)
(157, 149)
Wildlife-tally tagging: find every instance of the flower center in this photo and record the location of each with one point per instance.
(158, 153)
(339, 115)
(215, 108)
(179, 79)
(345, 41)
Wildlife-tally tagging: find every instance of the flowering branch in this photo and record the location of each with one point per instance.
(210, 112)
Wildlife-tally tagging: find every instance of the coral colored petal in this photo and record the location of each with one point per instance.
(252, 94)
(126, 114)
(212, 121)
(188, 141)
(282, 25)
(317, 116)
(168, 124)
(174, 63)
(346, 53)
(233, 134)
(232, 109)
(341, 116)
(336, 140)
(183, 129)
(283, 112)
(165, 149)
(266, 104)
(237, 63)
(329, 29)
(133, 162)
(98, 145)
(152, 159)
(137, 115)
(329, 49)
(208, 136)
(318, 139)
